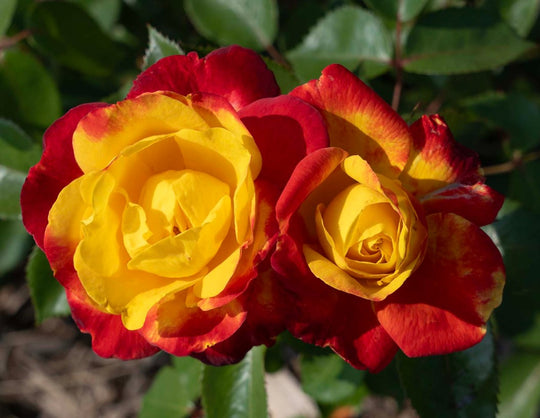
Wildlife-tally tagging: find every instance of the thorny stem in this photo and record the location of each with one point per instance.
(518, 160)
(13, 40)
(398, 64)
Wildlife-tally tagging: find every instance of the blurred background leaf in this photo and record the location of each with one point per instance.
(346, 36)
(250, 23)
(48, 296)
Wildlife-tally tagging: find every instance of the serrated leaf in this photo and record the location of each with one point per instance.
(238, 390)
(462, 384)
(462, 40)
(406, 9)
(29, 94)
(7, 10)
(517, 115)
(174, 390)
(65, 32)
(346, 36)
(17, 150)
(520, 14)
(329, 379)
(520, 386)
(14, 244)
(159, 47)
(48, 296)
(250, 23)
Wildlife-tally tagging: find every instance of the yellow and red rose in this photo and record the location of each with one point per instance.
(156, 213)
(380, 240)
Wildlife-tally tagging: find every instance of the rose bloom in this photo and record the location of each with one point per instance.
(156, 213)
(380, 240)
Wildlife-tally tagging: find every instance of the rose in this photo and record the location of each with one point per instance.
(382, 230)
(156, 212)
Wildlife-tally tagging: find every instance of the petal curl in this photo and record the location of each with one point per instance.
(437, 160)
(109, 336)
(444, 305)
(236, 73)
(477, 203)
(358, 120)
(308, 174)
(56, 169)
(267, 308)
(330, 318)
(286, 129)
(183, 330)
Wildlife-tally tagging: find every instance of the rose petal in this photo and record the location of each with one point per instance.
(477, 203)
(181, 330)
(56, 169)
(285, 129)
(236, 73)
(109, 336)
(308, 174)
(444, 305)
(267, 307)
(437, 160)
(327, 317)
(358, 120)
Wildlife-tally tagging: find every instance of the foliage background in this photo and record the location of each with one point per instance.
(474, 62)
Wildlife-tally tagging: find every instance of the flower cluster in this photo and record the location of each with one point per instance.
(206, 213)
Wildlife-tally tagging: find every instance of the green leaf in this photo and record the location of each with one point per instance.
(174, 390)
(11, 182)
(520, 14)
(105, 12)
(159, 47)
(462, 384)
(7, 10)
(520, 386)
(48, 296)
(524, 185)
(285, 78)
(17, 150)
(407, 9)
(346, 36)
(516, 234)
(29, 94)
(66, 32)
(329, 379)
(14, 244)
(517, 115)
(250, 23)
(460, 41)
(238, 390)
(17, 154)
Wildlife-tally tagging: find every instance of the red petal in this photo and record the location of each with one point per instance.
(477, 203)
(267, 307)
(285, 129)
(358, 120)
(109, 336)
(437, 160)
(327, 317)
(56, 169)
(182, 330)
(236, 73)
(444, 305)
(308, 174)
